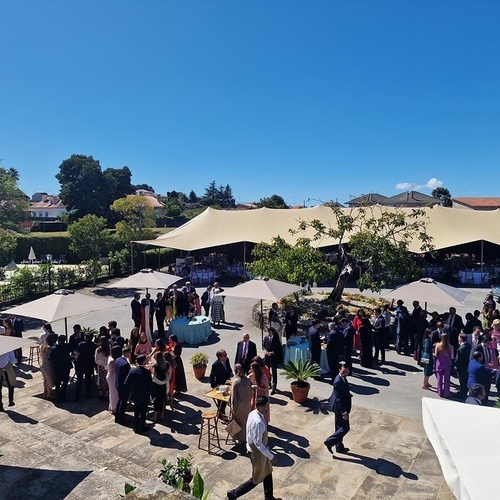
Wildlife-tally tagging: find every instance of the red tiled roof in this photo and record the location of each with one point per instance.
(478, 201)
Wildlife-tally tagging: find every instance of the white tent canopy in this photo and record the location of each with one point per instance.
(469, 459)
(447, 226)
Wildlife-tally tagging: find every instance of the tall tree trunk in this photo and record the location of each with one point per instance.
(345, 273)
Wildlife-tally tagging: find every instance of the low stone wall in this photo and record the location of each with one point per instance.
(156, 489)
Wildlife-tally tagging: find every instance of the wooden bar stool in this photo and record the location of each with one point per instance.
(208, 430)
(34, 354)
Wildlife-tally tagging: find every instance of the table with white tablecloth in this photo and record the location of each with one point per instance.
(300, 351)
(191, 331)
(476, 277)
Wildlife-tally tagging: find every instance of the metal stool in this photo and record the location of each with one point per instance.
(208, 430)
(34, 354)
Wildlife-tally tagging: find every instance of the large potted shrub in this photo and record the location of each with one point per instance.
(300, 372)
(199, 360)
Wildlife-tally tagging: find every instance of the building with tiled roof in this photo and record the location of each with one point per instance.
(411, 199)
(368, 199)
(152, 200)
(45, 207)
(476, 203)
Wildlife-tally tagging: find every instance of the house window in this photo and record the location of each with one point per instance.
(40, 214)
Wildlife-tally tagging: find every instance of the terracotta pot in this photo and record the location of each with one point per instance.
(199, 372)
(299, 393)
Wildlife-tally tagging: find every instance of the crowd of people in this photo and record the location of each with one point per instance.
(111, 357)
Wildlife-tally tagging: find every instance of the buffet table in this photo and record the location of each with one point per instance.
(301, 351)
(194, 331)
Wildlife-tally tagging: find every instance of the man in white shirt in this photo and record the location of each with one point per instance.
(260, 455)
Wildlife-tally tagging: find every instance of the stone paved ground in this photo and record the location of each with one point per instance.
(76, 451)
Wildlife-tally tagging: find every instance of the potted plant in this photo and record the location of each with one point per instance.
(300, 372)
(199, 360)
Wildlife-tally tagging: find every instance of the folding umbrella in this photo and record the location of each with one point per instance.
(146, 278)
(264, 289)
(9, 343)
(62, 304)
(428, 290)
(31, 255)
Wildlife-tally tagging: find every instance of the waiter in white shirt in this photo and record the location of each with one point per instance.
(260, 455)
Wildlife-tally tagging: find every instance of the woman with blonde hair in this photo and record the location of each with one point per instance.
(444, 355)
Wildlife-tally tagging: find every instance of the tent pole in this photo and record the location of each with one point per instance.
(482, 254)
(66, 327)
(244, 261)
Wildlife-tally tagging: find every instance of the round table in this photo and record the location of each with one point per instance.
(194, 331)
(301, 351)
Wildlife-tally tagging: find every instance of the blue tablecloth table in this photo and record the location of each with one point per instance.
(194, 331)
(301, 351)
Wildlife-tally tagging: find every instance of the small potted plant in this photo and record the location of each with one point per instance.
(199, 360)
(300, 372)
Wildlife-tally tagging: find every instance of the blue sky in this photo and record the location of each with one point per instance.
(319, 100)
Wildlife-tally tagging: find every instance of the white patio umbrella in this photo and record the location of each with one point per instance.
(428, 290)
(264, 289)
(31, 255)
(9, 343)
(146, 278)
(62, 304)
(11, 266)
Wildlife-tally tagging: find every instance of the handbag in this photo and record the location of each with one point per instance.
(233, 428)
(424, 361)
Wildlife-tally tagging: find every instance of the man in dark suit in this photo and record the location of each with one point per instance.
(84, 366)
(135, 306)
(455, 324)
(60, 356)
(220, 373)
(334, 348)
(18, 328)
(340, 403)
(76, 338)
(477, 395)
(205, 299)
(480, 374)
(161, 313)
(291, 321)
(436, 334)
(246, 350)
(122, 369)
(139, 384)
(273, 354)
(349, 332)
(462, 358)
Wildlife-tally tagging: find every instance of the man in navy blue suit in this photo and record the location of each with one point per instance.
(139, 384)
(480, 374)
(340, 403)
(122, 369)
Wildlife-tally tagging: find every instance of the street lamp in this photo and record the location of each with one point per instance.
(49, 262)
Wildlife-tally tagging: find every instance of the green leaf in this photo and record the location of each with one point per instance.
(128, 488)
(198, 485)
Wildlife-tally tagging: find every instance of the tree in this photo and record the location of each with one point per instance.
(299, 263)
(275, 201)
(146, 187)
(90, 240)
(138, 218)
(8, 243)
(86, 189)
(14, 206)
(221, 196)
(444, 195)
(192, 198)
(378, 245)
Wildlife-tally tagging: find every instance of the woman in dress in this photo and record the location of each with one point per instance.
(47, 330)
(241, 401)
(46, 365)
(170, 361)
(169, 316)
(143, 346)
(444, 356)
(366, 336)
(217, 307)
(260, 386)
(116, 352)
(7, 324)
(264, 367)
(356, 323)
(133, 341)
(180, 375)
(147, 314)
(197, 304)
(101, 358)
(161, 376)
(159, 347)
(427, 359)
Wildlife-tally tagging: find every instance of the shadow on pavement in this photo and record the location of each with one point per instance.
(403, 366)
(28, 482)
(379, 465)
(282, 445)
(20, 419)
(363, 390)
(164, 440)
(375, 380)
(316, 406)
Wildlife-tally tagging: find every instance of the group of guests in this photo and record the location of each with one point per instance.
(101, 355)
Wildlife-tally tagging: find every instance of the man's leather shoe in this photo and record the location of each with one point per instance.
(11, 403)
(329, 446)
(342, 450)
(273, 392)
(231, 495)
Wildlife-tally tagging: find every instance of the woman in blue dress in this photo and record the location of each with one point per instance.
(427, 359)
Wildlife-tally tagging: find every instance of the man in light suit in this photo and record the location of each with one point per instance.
(246, 350)
(477, 395)
(340, 403)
